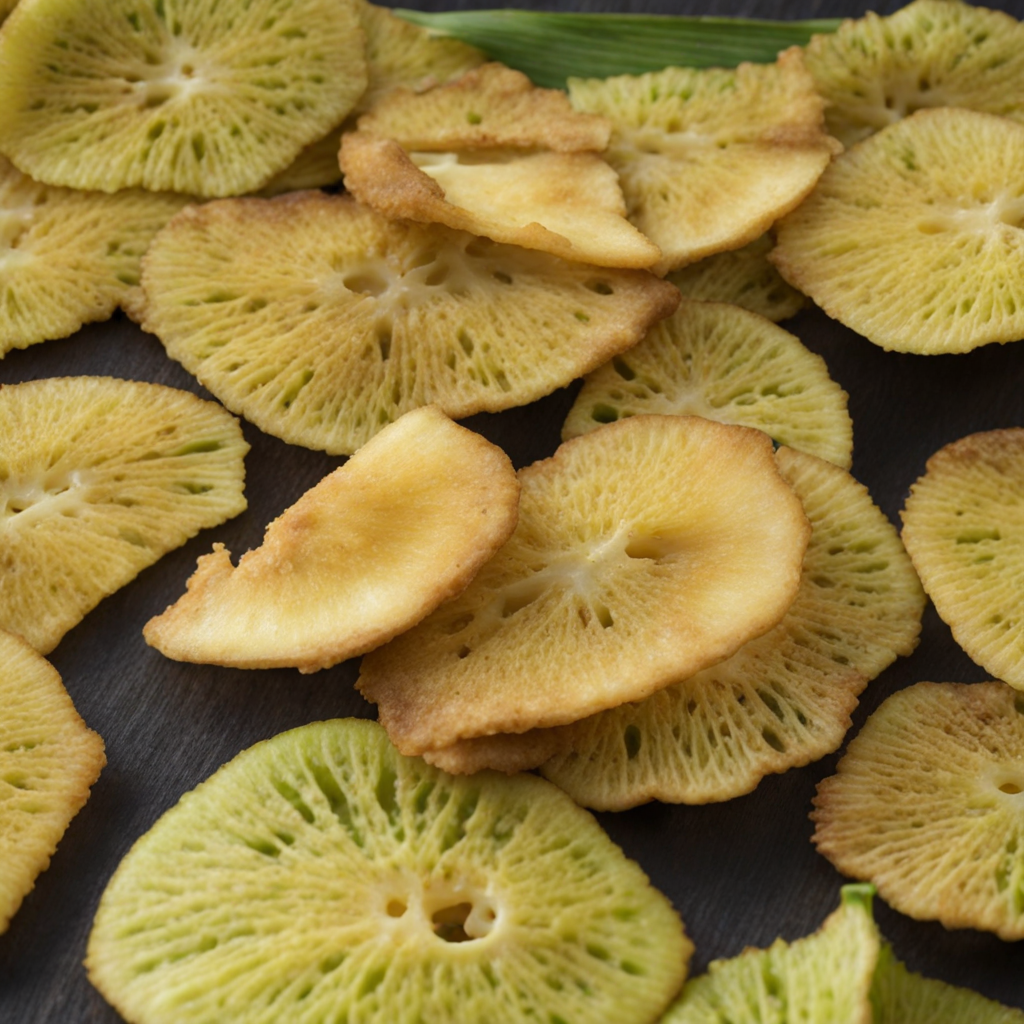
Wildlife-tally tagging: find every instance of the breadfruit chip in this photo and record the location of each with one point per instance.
(48, 761)
(824, 978)
(644, 552)
(743, 277)
(192, 96)
(320, 321)
(568, 204)
(68, 258)
(926, 804)
(931, 53)
(726, 364)
(963, 526)
(369, 551)
(709, 158)
(330, 878)
(913, 238)
(781, 700)
(98, 479)
(503, 752)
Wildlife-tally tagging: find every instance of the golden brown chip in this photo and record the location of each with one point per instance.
(48, 762)
(927, 804)
(963, 526)
(644, 551)
(726, 364)
(504, 752)
(783, 699)
(320, 321)
(369, 551)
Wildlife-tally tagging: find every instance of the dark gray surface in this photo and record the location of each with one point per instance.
(740, 873)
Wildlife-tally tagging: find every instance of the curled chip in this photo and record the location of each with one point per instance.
(98, 479)
(330, 878)
(913, 238)
(321, 322)
(781, 700)
(926, 804)
(931, 53)
(963, 526)
(191, 96)
(644, 552)
(404, 525)
(708, 159)
(726, 364)
(48, 762)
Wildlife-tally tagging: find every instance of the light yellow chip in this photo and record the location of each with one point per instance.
(369, 551)
(927, 802)
(98, 479)
(48, 762)
(914, 237)
(931, 53)
(708, 159)
(321, 322)
(505, 752)
(783, 699)
(726, 364)
(644, 552)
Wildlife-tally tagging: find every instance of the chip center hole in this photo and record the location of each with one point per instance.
(397, 908)
(458, 913)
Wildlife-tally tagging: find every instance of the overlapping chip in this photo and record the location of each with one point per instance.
(330, 878)
(98, 479)
(502, 752)
(369, 551)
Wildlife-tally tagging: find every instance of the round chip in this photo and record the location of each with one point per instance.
(931, 53)
(191, 96)
(927, 804)
(98, 479)
(321, 322)
(783, 699)
(644, 552)
(726, 364)
(963, 526)
(710, 158)
(915, 237)
(330, 878)
(369, 551)
(48, 762)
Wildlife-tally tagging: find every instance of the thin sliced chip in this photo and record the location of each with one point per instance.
(192, 96)
(329, 878)
(320, 321)
(726, 364)
(369, 551)
(504, 752)
(963, 526)
(927, 802)
(783, 699)
(743, 277)
(68, 258)
(98, 479)
(644, 552)
(914, 237)
(931, 53)
(48, 762)
(710, 158)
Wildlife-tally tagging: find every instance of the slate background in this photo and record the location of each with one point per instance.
(739, 873)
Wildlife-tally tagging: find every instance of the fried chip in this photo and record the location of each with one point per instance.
(199, 97)
(321, 322)
(644, 552)
(926, 804)
(368, 552)
(710, 158)
(783, 699)
(503, 752)
(48, 762)
(931, 53)
(964, 529)
(913, 238)
(726, 364)
(328, 877)
(98, 479)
